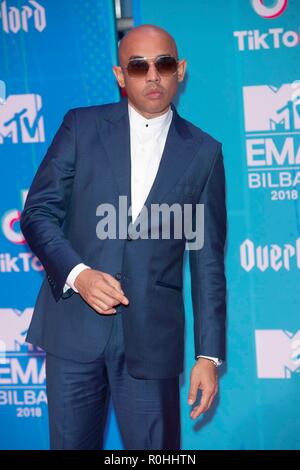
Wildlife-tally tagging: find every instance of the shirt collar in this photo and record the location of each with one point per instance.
(149, 126)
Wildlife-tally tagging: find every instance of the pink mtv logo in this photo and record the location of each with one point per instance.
(277, 354)
(21, 119)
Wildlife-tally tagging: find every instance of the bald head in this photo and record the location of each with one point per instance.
(142, 34)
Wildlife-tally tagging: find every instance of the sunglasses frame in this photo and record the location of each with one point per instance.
(154, 60)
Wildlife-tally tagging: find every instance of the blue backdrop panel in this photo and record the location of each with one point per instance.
(243, 87)
(53, 56)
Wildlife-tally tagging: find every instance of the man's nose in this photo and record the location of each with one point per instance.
(152, 74)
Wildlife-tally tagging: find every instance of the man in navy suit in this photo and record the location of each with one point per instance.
(110, 311)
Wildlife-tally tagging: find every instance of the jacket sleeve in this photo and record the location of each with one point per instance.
(208, 281)
(47, 204)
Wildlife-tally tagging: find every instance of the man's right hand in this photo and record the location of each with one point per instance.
(100, 290)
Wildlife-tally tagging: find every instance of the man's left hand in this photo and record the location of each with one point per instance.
(203, 376)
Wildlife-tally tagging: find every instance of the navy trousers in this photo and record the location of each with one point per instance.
(147, 411)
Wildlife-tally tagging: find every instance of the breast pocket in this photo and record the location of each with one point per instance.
(167, 285)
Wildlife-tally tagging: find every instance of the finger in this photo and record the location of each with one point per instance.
(211, 400)
(106, 300)
(194, 387)
(202, 408)
(113, 293)
(113, 282)
(101, 307)
(203, 405)
(100, 310)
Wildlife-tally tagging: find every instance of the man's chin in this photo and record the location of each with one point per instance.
(156, 107)
(151, 107)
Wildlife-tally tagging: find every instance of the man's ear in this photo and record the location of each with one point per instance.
(117, 70)
(181, 69)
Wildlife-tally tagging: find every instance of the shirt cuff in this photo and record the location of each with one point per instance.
(217, 361)
(73, 275)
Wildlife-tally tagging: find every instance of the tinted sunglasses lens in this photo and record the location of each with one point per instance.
(137, 68)
(166, 65)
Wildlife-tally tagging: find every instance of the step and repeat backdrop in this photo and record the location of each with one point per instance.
(54, 55)
(243, 87)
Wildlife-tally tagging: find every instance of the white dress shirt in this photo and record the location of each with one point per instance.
(147, 141)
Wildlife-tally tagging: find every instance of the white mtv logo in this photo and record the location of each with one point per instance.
(269, 108)
(277, 353)
(13, 328)
(21, 119)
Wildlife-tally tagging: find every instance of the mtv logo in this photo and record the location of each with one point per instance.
(13, 328)
(21, 119)
(269, 108)
(277, 353)
(2, 92)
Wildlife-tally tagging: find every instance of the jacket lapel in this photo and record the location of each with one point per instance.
(115, 137)
(180, 148)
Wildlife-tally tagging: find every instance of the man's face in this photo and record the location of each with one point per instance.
(151, 94)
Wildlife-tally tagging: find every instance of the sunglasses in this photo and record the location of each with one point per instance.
(165, 65)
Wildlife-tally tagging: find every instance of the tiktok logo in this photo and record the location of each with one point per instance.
(269, 12)
(271, 38)
(10, 221)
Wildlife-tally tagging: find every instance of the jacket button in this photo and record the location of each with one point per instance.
(118, 276)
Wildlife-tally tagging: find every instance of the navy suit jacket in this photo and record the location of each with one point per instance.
(88, 163)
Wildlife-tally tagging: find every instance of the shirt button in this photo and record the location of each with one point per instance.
(118, 276)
